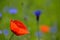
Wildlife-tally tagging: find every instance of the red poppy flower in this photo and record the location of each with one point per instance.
(44, 28)
(18, 28)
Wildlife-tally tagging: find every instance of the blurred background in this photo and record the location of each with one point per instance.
(23, 10)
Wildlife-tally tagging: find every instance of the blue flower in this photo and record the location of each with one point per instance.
(5, 32)
(38, 34)
(0, 31)
(12, 11)
(5, 9)
(37, 12)
(0, 15)
(53, 29)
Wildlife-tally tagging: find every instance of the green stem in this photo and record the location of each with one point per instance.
(38, 30)
(11, 36)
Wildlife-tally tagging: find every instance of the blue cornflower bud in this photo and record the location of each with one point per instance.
(0, 31)
(53, 29)
(37, 12)
(5, 32)
(0, 15)
(5, 9)
(12, 11)
(38, 34)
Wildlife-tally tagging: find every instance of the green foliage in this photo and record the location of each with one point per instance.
(48, 16)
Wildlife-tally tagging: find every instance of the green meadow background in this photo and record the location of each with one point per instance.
(50, 14)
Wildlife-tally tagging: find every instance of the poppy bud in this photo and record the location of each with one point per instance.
(45, 28)
(18, 28)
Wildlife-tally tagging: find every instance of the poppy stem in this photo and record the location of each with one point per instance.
(27, 25)
(11, 36)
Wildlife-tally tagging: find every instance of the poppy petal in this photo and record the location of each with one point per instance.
(20, 24)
